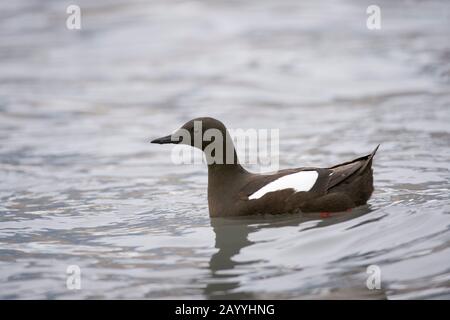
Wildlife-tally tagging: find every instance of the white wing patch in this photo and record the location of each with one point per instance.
(300, 181)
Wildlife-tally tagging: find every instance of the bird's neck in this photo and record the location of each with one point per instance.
(223, 165)
(224, 178)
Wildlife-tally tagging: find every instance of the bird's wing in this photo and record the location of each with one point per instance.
(343, 171)
(260, 181)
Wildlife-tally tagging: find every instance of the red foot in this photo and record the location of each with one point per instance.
(325, 214)
(349, 210)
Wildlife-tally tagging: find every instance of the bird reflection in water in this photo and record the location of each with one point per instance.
(232, 235)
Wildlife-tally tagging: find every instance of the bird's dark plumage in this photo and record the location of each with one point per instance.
(233, 191)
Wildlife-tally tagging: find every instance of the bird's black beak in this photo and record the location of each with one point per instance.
(166, 139)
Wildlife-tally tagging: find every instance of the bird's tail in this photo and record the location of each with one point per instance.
(368, 163)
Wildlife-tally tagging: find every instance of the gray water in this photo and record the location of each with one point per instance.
(81, 184)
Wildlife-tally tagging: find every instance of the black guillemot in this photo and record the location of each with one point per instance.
(233, 191)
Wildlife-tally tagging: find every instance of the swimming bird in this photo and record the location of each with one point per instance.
(234, 191)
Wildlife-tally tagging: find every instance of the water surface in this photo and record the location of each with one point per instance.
(81, 185)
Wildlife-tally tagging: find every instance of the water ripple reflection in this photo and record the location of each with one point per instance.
(81, 185)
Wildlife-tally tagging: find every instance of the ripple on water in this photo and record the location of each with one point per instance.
(81, 185)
